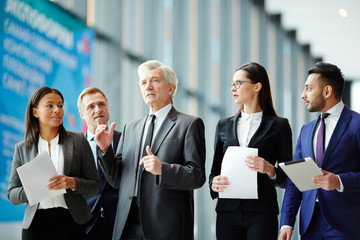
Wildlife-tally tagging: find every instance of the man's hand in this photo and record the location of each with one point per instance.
(285, 233)
(328, 181)
(102, 137)
(151, 163)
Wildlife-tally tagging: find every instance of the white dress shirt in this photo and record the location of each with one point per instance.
(247, 124)
(90, 137)
(330, 124)
(160, 117)
(57, 157)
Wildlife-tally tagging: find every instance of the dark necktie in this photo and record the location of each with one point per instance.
(320, 141)
(148, 141)
(101, 174)
(97, 161)
(149, 134)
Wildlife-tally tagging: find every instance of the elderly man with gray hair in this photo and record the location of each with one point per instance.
(159, 162)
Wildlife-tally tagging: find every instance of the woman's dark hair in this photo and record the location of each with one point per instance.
(257, 73)
(32, 130)
(330, 75)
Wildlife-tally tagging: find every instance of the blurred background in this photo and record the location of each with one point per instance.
(73, 44)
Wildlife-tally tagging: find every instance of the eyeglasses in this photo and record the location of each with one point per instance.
(238, 83)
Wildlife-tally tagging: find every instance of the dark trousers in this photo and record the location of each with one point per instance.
(133, 229)
(320, 229)
(241, 225)
(101, 230)
(54, 224)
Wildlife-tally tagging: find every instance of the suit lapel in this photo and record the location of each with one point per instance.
(68, 154)
(233, 137)
(32, 152)
(265, 125)
(311, 138)
(164, 129)
(138, 134)
(337, 134)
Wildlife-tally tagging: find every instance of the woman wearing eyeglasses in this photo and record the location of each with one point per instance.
(256, 125)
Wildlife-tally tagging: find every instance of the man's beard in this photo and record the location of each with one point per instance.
(317, 104)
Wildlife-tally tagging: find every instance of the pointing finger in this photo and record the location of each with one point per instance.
(112, 127)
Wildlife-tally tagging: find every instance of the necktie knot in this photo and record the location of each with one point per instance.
(324, 115)
(152, 118)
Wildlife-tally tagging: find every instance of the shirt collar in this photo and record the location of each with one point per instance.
(55, 140)
(256, 116)
(162, 113)
(89, 135)
(336, 110)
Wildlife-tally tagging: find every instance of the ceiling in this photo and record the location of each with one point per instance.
(334, 38)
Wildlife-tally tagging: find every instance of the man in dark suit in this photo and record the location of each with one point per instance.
(156, 184)
(333, 210)
(93, 108)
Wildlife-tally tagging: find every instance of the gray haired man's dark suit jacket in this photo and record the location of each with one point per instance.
(166, 204)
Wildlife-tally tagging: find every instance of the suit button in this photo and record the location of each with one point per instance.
(130, 198)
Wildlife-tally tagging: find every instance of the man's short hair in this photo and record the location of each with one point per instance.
(89, 90)
(330, 75)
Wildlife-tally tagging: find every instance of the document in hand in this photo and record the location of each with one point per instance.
(242, 180)
(301, 172)
(35, 176)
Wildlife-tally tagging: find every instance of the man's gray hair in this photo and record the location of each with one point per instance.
(168, 72)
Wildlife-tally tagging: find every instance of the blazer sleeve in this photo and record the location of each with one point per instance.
(351, 180)
(111, 162)
(293, 197)
(16, 193)
(188, 172)
(284, 152)
(87, 182)
(217, 160)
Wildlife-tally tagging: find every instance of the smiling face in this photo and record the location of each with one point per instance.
(94, 107)
(313, 93)
(246, 93)
(49, 111)
(154, 89)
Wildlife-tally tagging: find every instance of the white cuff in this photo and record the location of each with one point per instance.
(273, 178)
(285, 226)
(341, 189)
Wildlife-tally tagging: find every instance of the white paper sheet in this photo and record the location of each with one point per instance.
(242, 180)
(35, 176)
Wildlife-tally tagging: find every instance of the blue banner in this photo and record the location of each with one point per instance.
(40, 45)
